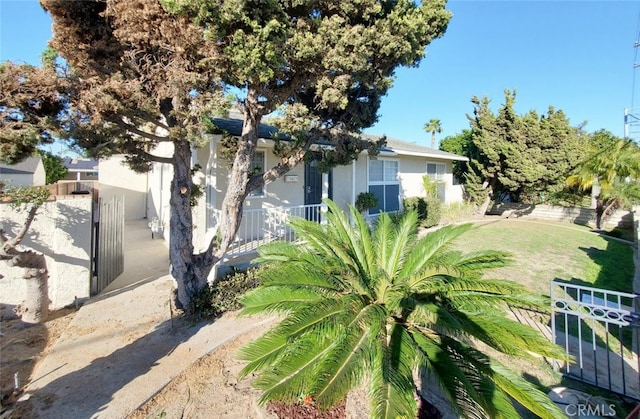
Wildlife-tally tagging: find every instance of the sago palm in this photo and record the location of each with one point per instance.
(377, 306)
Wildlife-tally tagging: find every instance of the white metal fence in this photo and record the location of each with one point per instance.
(264, 225)
(599, 329)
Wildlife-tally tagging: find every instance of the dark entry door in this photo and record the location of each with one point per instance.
(312, 189)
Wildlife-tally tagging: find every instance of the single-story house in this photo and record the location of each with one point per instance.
(29, 172)
(394, 174)
(81, 169)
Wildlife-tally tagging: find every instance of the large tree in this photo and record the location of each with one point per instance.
(146, 72)
(611, 173)
(525, 157)
(461, 144)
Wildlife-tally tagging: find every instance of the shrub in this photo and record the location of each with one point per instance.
(457, 211)
(222, 295)
(434, 212)
(366, 201)
(429, 209)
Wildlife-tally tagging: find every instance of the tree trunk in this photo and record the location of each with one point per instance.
(237, 190)
(36, 305)
(189, 271)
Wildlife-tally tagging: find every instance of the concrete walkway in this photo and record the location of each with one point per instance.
(123, 346)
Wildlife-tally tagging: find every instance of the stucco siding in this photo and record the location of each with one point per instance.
(62, 232)
(116, 179)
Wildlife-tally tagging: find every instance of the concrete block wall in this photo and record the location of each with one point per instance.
(584, 216)
(62, 232)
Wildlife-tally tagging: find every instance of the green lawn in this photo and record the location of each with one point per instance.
(545, 251)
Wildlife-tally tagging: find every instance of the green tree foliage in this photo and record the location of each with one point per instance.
(433, 126)
(526, 157)
(611, 172)
(461, 144)
(30, 99)
(54, 167)
(374, 306)
(150, 72)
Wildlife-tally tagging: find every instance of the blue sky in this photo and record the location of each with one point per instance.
(575, 55)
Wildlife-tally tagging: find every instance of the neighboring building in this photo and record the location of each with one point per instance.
(394, 174)
(81, 169)
(116, 179)
(29, 172)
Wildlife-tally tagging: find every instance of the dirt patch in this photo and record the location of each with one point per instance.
(210, 388)
(22, 346)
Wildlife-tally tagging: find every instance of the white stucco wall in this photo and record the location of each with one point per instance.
(116, 179)
(62, 232)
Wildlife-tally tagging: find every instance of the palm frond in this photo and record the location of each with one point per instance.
(277, 299)
(402, 238)
(293, 373)
(508, 336)
(444, 368)
(382, 237)
(365, 250)
(480, 261)
(262, 352)
(392, 388)
(302, 274)
(427, 247)
(339, 225)
(343, 365)
(493, 383)
(524, 392)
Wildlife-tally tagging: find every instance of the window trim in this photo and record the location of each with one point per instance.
(444, 172)
(260, 193)
(396, 181)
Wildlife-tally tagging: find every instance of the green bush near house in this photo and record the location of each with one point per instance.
(366, 201)
(429, 209)
(222, 295)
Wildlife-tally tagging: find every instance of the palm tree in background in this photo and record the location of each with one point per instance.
(433, 126)
(612, 173)
(378, 306)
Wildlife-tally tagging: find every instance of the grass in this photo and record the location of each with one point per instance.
(546, 251)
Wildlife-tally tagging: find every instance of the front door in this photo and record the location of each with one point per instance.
(312, 189)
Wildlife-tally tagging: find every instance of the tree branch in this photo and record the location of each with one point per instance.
(284, 166)
(9, 245)
(134, 130)
(152, 157)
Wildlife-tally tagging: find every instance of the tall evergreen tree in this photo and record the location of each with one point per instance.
(461, 144)
(523, 157)
(147, 72)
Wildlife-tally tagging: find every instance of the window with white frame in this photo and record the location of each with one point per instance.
(384, 183)
(436, 171)
(257, 166)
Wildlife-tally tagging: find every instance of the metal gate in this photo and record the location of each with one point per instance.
(108, 242)
(599, 330)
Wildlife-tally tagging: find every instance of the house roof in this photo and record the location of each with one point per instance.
(81, 165)
(234, 127)
(26, 167)
(405, 148)
(394, 146)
